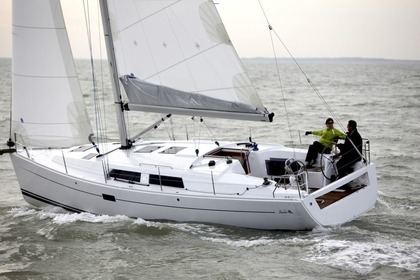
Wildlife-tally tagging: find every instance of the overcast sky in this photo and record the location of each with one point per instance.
(310, 28)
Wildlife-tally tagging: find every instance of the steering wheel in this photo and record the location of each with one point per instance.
(293, 166)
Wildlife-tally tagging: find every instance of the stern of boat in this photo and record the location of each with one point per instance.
(345, 199)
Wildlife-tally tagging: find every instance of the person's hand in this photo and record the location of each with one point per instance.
(336, 156)
(308, 132)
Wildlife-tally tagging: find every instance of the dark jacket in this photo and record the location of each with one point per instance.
(347, 149)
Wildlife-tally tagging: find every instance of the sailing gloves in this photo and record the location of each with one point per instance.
(308, 132)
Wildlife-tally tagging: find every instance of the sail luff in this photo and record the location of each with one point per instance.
(48, 109)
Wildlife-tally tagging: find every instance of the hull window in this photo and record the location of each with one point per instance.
(125, 175)
(166, 181)
(108, 197)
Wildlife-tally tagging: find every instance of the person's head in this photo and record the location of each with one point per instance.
(329, 122)
(352, 125)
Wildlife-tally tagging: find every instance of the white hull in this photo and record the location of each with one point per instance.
(221, 194)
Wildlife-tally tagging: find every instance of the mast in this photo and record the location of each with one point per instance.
(119, 108)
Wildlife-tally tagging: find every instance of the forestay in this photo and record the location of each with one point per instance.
(181, 50)
(47, 108)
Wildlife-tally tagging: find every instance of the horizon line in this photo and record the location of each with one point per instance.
(288, 58)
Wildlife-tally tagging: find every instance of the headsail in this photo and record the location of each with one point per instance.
(181, 50)
(47, 106)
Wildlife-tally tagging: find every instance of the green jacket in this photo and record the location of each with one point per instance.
(327, 136)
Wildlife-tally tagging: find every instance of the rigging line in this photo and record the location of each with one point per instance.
(102, 91)
(172, 129)
(104, 134)
(265, 15)
(89, 34)
(196, 142)
(124, 60)
(199, 135)
(281, 87)
(314, 88)
(209, 131)
(10, 112)
(172, 138)
(278, 74)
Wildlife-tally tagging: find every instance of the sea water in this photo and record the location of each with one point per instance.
(382, 96)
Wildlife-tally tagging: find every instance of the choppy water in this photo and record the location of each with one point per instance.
(382, 96)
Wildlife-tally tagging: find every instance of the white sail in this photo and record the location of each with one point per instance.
(47, 107)
(183, 46)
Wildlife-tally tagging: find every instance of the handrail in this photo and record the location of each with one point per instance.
(156, 165)
(366, 149)
(300, 182)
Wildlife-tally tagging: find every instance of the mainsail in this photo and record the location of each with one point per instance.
(180, 50)
(47, 107)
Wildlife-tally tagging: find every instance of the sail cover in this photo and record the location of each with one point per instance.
(182, 48)
(47, 105)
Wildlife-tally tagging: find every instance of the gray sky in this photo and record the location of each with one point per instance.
(310, 28)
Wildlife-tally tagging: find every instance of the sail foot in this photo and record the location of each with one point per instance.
(148, 97)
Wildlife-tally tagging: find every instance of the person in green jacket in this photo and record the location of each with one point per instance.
(328, 135)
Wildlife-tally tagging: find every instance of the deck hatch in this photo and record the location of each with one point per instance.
(148, 149)
(172, 150)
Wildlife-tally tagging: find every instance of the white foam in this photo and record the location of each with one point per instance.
(58, 217)
(47, 232)
(363, 257)
(21, 212)
(140, 221)
(88, 217)
(239, 243)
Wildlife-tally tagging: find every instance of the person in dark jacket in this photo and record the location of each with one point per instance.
(350, 151)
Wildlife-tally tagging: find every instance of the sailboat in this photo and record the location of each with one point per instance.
(171, 57)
